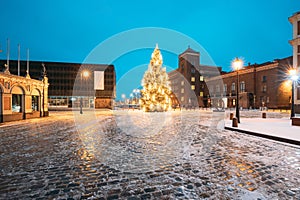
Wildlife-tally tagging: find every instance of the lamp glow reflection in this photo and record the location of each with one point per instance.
(294, 77)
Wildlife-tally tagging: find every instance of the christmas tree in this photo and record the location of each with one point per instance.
(156, 90)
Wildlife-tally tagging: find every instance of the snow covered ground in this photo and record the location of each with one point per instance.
(275, 127)
(131, 154)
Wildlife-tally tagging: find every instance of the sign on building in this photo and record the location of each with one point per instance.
(98, 80)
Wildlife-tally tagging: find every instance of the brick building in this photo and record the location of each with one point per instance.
(188, 80)
(261, 85)
(66, 84)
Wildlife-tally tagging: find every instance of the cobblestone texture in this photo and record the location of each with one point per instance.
(188, 157)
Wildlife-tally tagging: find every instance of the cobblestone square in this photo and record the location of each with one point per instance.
(135, 155)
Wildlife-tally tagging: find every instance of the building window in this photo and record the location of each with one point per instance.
(298, 93)
(225, 88)
(298, 48)
(233, 87)
(193, 71)
(182, 90)
(193, 87)
(264, 79)
(35, 103)
(16, 102)
(233, 102)
(242, 86)
(182, 82)
(182, 99)
(193, 79)
(298, 26)
(201, 78)
(217, 88)
(264, 88)
(201, 94)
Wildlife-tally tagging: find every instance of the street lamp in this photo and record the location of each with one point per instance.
(83, 74)
(237, 65)
(294, 77)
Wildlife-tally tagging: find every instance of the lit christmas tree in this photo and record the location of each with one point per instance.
(156, 90)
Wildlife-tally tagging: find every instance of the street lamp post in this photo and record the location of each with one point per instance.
(83, 74)
(294, 78)
(237, 64)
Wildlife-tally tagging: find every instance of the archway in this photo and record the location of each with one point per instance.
(18, 100)
(35, 100)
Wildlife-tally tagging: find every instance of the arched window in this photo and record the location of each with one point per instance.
(17, 99)
(35, 99)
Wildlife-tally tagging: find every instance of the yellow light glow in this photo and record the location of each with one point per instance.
(85, 73)
(156, 89)
(237, 63)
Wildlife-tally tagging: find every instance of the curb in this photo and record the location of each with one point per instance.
(280, 139)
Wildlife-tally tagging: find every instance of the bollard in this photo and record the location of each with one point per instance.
(264, 115)
(231, 116)
(234, 122)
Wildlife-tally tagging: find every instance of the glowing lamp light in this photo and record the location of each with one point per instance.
(85, 73)
(237, 63)
(293, 74)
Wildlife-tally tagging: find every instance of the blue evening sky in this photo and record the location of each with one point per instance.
(69, 30)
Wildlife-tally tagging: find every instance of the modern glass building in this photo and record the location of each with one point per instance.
(70, 83)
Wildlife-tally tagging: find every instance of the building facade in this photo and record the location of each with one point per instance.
(260, 85)
(68, 86)
(295, 42)
(22, 97)
(188, 80)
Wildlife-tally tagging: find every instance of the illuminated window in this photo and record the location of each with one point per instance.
(233, 102)
(182, 90)
(201, 78)
(182, 99)
(193, 79)
(16, 102)
(193, 87)
(201, 94)
(264, 88)
(182, 82)
(35, 103)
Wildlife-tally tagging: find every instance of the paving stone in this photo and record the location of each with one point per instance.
(102, 160)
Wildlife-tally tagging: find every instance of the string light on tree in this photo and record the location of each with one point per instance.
(156, 88)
